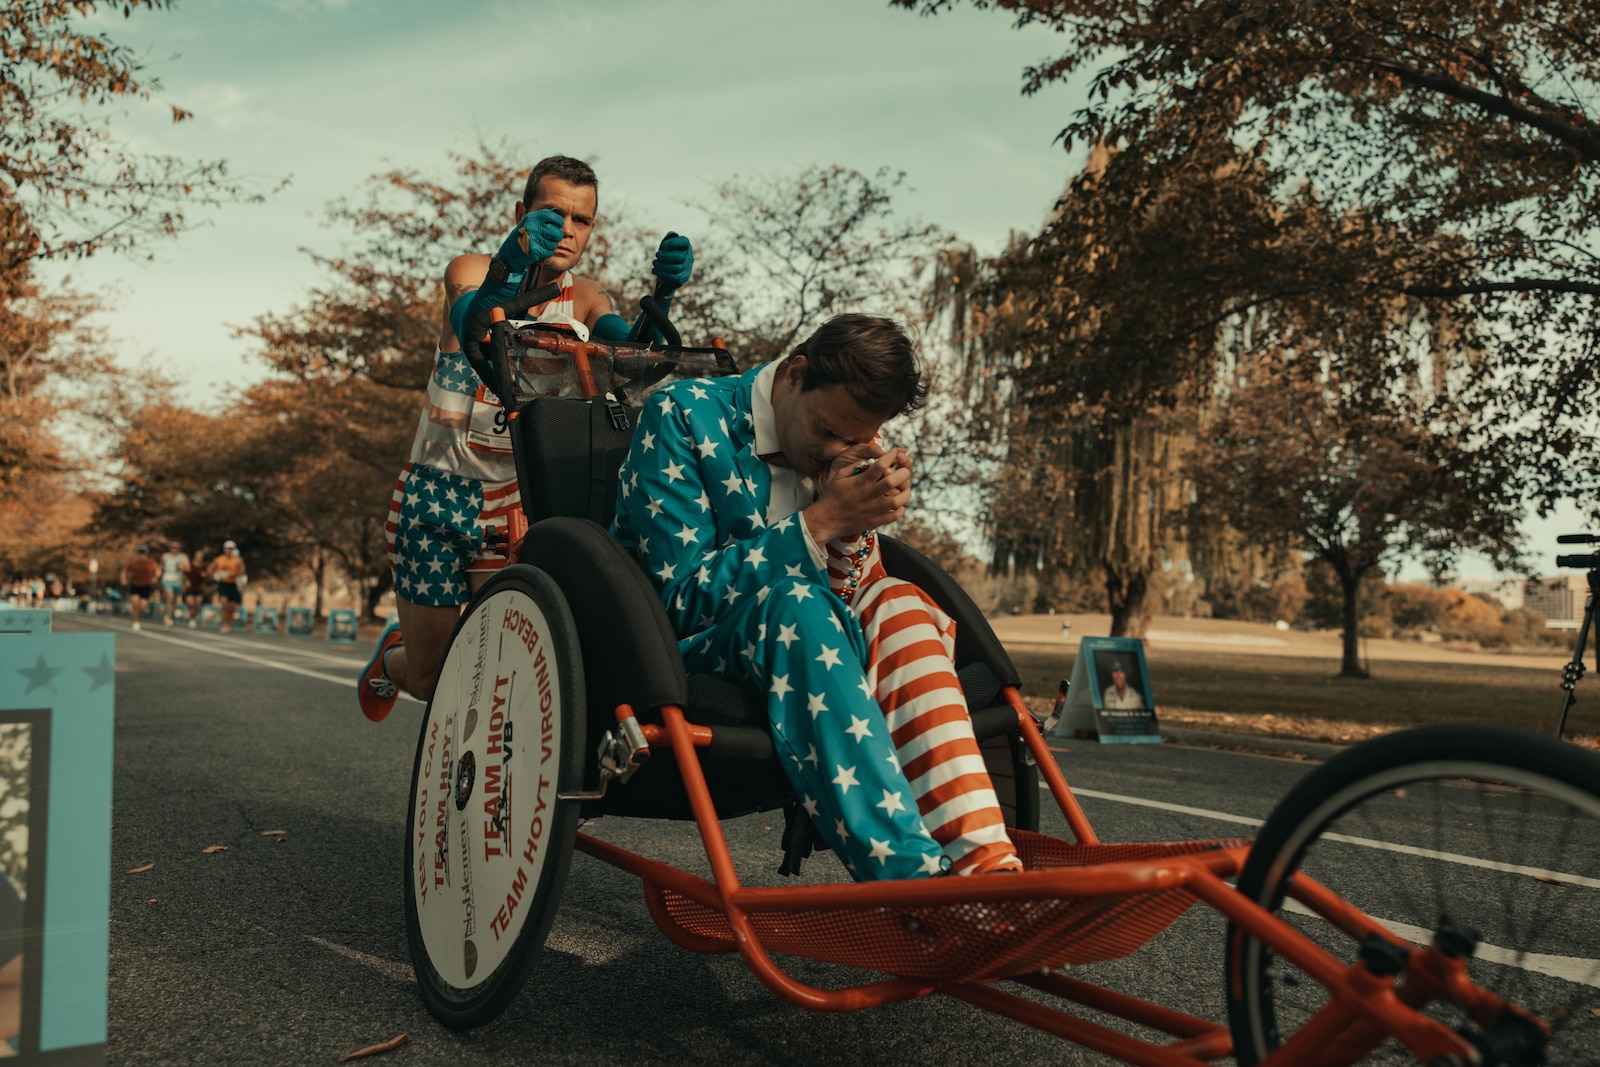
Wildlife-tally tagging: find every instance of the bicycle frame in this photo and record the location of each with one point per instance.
(1364, 1009)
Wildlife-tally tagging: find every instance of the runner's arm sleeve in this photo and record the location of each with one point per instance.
(610, 327)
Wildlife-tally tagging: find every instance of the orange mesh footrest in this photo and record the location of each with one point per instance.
(972, 940)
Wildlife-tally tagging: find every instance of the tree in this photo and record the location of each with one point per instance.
(1459, 127)
(808, 247)
(68, 187)
(1295, 456)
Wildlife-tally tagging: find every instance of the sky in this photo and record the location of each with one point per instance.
(665, 98)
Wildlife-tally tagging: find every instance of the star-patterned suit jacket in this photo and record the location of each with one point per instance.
(706, 517)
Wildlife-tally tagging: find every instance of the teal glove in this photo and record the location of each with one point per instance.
(674, 261)
(533, 239)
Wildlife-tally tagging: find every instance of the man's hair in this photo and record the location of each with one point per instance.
(871, 357)
(566, 168)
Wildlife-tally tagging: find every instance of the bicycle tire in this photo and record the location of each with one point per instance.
(487, 852)
(1493, 821)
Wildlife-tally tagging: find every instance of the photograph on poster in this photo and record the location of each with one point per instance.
(23, 747)
(1119, 683)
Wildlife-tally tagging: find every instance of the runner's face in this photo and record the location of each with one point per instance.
(815, 426)
(576, 204)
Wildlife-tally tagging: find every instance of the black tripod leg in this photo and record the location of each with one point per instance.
(1574, 670)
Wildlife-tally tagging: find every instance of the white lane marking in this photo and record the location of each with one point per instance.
(398, 971)
(1575, 969)
(259, 661)
(1364, 842)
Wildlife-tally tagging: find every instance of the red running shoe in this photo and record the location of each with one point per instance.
(375, 689)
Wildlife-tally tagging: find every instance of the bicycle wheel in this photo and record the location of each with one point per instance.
(488, 843)
(1442, 833)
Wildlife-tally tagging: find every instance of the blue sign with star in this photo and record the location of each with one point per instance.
(60, 686)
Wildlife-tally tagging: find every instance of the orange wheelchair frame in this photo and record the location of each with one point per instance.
(1077, 902)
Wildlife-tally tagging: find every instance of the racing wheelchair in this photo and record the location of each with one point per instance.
(1428, 896)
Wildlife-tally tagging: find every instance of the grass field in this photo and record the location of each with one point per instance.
(1397, 694)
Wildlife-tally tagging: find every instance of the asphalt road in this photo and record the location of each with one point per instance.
(290, 948)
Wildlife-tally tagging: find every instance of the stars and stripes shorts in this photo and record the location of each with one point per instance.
(442, 527)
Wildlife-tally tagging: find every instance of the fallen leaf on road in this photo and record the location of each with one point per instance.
(1594, 1011)
(272, 833)
(1548, 881)
(209, 849)
(373, 1050)
(139, 870)
(152, 900)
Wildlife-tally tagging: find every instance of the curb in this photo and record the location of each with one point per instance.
(1276, 746)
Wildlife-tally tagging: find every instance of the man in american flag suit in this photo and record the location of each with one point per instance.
(752, 502)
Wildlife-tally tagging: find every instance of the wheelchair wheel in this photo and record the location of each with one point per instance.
(488, 844)
(1482, 839)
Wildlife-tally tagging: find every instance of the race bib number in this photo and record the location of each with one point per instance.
(486, 431)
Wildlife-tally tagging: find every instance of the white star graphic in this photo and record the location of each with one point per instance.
(708, 449)
(704, 501)
(666, 572)
(780, 686)
(673, 471)
(722, 424)
(731, 595)
(647, 442)
(750, 651)
(763, 593)
(787, 635)
(750, 483)
(811, 755)
(783, 524)
(811, 807)
(435, 508)
(688, 535)
(859, 728)
(844, 779)
(654, 507)
(699, 393)
(756, 519)
(703, 576)
(866, 689)
(761, 630)
(732, 484)
(800, 592)
(793, 570)
(893, 760)
(890, 803)
(837, 625)
(757, 556)
(881, 851)
(644, 546)
(838, 828)
(932, 863)
(666, 405)
(815, 704)
(829, 657)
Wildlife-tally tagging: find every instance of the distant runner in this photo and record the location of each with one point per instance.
(195, 577)
(227, 570)
(139, 574)
(174, 562)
